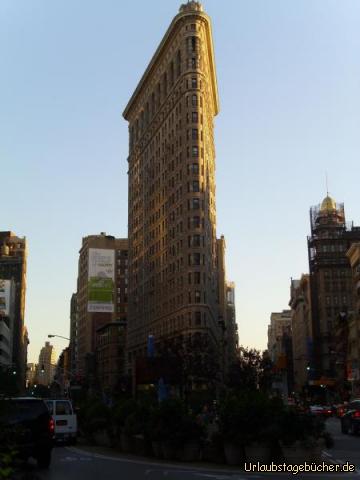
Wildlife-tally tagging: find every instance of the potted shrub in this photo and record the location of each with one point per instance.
(302, 437)
(232, 417)
(136, 429)
(261, 424)
(121, 411)
(190, 435)
(164, 427)
(154, 433)
(95, 421)
(213, 450)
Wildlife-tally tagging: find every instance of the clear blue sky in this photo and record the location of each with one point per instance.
(289, 81)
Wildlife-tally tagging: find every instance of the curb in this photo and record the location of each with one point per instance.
(178, 466)
(151, 462)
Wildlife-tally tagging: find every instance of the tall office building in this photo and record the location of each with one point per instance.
(46, 365)
(172, 215)
(301, 329)
(331, 290)
(13, 254)
(101, 296)
(353, 358)
(73, 333)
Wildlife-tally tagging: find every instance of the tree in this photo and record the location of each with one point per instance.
(253, 370)
(194, 361)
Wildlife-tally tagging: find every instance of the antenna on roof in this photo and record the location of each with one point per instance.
(327, 186)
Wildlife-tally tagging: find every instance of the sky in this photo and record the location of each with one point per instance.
(289, 80)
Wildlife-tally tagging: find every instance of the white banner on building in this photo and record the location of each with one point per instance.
(101, 280)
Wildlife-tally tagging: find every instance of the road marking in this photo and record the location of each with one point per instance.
(75, 459)
(177, 467)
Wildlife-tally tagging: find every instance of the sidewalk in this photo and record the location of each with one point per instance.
(116, 455)
(108, 453)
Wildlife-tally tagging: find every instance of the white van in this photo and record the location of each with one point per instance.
(65, 419)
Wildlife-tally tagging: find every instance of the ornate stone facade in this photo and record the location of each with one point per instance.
(172, 213)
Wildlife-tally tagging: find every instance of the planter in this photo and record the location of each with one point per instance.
(190, 452)
(212, 454)
(258, 452)
(300, 453)
(234, 454)
(169, 451)
(102, 438)
(139, 445)
(157, 449)
(126, 443)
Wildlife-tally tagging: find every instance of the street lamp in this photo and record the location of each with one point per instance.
(58, 336)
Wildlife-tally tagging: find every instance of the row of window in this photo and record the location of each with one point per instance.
(336, 300)
(161, 91)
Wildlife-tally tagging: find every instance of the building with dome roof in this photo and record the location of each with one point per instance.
(331, 292)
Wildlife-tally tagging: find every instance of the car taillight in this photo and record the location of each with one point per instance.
(51, 426)
(356, 414)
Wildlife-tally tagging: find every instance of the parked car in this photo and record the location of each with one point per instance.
(350, 420)
(65, 420)
(327, 411)
(316, 410)
(340, 409)
(32, 428)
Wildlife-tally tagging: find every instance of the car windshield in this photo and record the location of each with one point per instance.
(63, 408)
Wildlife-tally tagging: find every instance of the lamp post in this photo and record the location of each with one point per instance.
(58, 336)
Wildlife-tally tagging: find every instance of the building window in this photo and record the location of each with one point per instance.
(197, 296)
(195, 186)
(194, 100)
(172, 73)
(194, 117)
(195, 151)
(197, 318)
(194, 259)
(178, 63)
(193, 168)
(194, 222)
(194, 134)
(194, 241)
(195, 203)
(194, 82)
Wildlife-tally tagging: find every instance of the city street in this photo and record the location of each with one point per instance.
(74, 463)
(346, 448)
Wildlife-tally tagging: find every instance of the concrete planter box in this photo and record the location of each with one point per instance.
(102, 438)
(126, 443)
(169, 451)
(157, 449)
(234, 454)
(210, 453)
(300, 453)
(190, 452)
(258, 452)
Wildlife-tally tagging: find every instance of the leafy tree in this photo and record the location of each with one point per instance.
(252, 370)
(195, 361)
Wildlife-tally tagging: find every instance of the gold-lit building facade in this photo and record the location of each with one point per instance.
(173, 279)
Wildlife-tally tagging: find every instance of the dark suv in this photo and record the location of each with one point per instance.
(31, 427)
(350, 421)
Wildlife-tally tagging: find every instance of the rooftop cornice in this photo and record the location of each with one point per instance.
(183, 14)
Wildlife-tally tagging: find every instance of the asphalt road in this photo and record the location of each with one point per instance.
(346, 448)
(75, 464)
